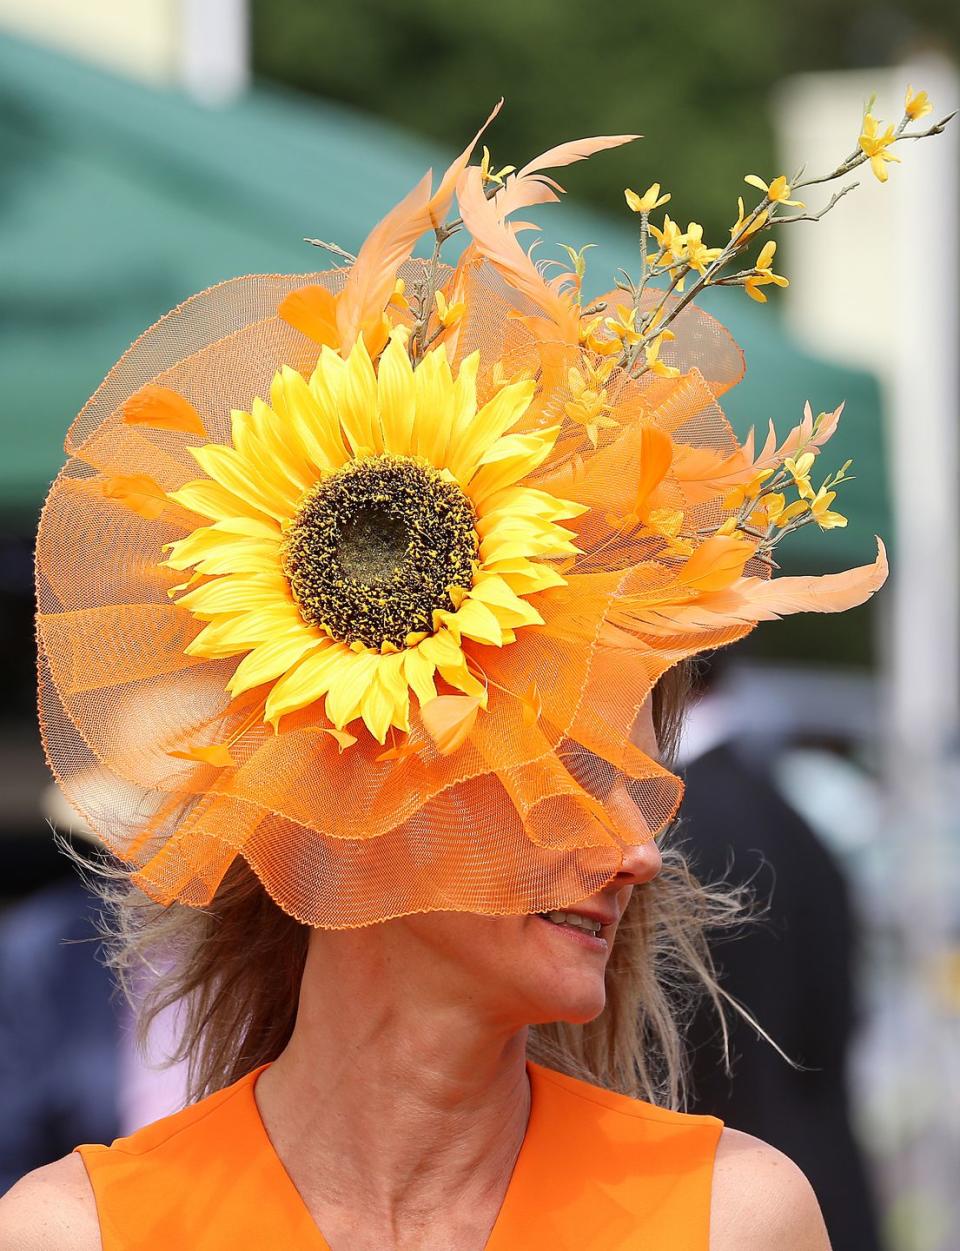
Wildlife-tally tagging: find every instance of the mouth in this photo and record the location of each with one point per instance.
(585, 930)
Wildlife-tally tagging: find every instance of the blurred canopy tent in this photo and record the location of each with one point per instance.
(120, 200)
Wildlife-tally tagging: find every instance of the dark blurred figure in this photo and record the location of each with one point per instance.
(59, 1037)
(792, 971)
(70, 1071)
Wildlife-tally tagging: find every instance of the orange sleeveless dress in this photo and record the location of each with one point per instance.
(596, 1170)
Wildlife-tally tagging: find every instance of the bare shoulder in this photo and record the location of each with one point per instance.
(762, 1200)
(51, 1209)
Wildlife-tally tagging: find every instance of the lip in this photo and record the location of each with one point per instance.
(604, 918)
(592, 942)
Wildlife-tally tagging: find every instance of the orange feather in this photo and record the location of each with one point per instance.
(164, 409)
(495, 241)
(448, 719)
(767, 599)
(374, 273)
(717, 563)
(313, 311)
(531, 186)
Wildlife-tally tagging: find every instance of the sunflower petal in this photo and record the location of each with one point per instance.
(390, 675)
(235, 594)
(418, 671)
(386, 698)
(258, 489)
(314, 426)
(305, 683)
(213, 551)
(507, 546)
(272, 658)
(210, 499)
(396, 396)
(494, 419)
(475, 620)
(527, 576)
(509, 459)
(435, 398)
(464, 397)
(358, 402)
(506, 605)
(349, 682)
(277, 435)
(326, 383)
(229, 635)
(446, 653)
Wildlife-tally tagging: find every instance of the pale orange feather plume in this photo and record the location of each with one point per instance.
(373, 274)
(801, 436)
(701, 602)
(767, 599)
(497, 242)
(531, 186)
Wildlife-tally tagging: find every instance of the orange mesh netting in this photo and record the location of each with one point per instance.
(526, 813)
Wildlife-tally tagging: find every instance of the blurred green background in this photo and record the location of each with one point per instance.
(694, 78)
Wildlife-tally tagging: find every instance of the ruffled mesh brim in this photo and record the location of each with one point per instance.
(528, 814)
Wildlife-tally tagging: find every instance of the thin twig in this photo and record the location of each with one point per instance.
(335, 248)
(935, 129)
(815, 217)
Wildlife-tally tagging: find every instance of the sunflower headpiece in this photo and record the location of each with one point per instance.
(385, 632)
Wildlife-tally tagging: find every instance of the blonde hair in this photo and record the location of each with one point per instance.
(234, 969)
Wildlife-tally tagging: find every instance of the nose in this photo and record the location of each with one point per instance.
(641, 860)
(641, 863)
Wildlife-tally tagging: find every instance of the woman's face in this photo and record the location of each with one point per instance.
(525, 970)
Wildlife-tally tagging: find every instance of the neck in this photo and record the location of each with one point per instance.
(402, 1094)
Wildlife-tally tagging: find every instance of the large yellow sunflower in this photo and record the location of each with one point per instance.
(362, 526)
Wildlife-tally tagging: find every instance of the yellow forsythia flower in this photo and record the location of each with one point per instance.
(399, 299)
(448, 314)
(589, 405)
(671, 239)
(699, 256)
(778, 190)
(874, 145)
(763, 274)
(487, 175)
(799, 470)
(623, 325)
(737, 496)
(820, 508)
(646, 203)
(917, 104)
(757, 224)
(652, 353)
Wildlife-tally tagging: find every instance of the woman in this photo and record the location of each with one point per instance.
(396, 1113)
(372, 711)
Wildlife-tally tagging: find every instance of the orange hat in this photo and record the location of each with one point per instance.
(384, 632)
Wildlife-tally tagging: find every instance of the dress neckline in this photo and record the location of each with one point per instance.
(309, 1233)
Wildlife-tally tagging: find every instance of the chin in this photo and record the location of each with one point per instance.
(564, 975)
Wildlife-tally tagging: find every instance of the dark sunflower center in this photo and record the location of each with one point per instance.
(375, 547)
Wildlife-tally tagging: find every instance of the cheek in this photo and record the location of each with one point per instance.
(643, 734)
(461, 943)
